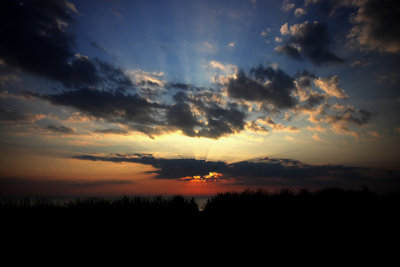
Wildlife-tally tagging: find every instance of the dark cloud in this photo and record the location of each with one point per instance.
(153, 118)
(179, 86)
(348, 114)
(290, 50)
(19, 185)
(377, 25)
(329, 7)
(113, 106)
(257, 172)
(277, 91)
(129, 109)
(211, 120)
(112, 77)
(220, 120)
(166, 168)
(98, 46)
(223, 121)
(147, 83)
(11, 115)
(60, 129)
(34, 39)
(305, 78)
(313, 100)
(181, 116)
(310, 40)
(112, 131)
(255, 127)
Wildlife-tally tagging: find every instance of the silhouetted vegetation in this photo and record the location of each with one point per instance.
(299, 211)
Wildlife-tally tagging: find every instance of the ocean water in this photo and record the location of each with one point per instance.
(201, 201)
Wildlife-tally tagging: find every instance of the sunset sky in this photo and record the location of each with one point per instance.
(112, 97)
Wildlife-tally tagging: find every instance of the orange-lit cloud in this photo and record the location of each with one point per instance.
(210, 177)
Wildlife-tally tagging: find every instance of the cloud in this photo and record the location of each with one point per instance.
(37, 43)
(195, 114)
(111, 131)
(253, 126)
(257, 172)
(360, 63)
(299, 12)
(310, 40)
(98, 46)
(49, 51)
(129, 109)
(376, 26)
(277, 126)
(340, 117)
(284, 29)
(222, 72)
(200, 115)
(265, 32)
(317, 128)
(26, 186)
(328, 7)
(8, 115)
(374, 134)
(141, 77)
(330, 86)
(181, 116)
(207, 47)
(165, 168)
(60, 129)
(340, 127)
(316, 137)
(287, 6)
(267, 85)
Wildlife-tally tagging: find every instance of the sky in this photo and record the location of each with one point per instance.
(113, 97)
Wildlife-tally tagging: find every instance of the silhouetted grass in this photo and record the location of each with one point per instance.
(299, 211)
(331, 208)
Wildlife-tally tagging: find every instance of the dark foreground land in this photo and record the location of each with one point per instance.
(331, 206)
(333, 221)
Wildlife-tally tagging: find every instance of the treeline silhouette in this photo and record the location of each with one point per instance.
(246, 211)
(252, 202)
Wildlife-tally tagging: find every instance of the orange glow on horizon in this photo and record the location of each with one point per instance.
(210, 177)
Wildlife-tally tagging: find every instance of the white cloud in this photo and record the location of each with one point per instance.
(231, 44)
(278, 40)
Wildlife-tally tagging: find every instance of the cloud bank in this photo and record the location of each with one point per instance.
(257, 172)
